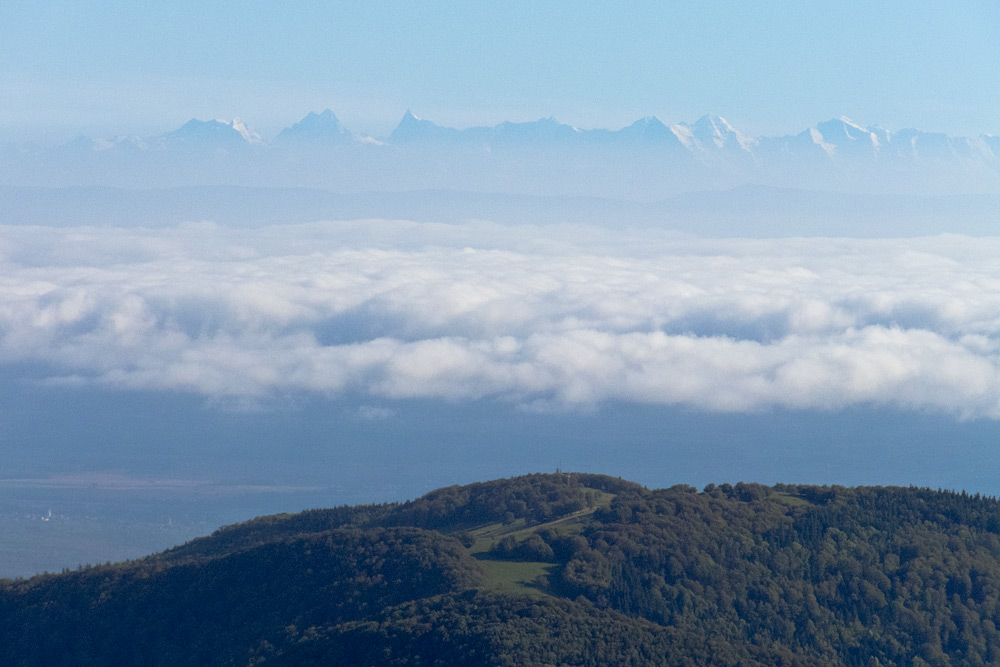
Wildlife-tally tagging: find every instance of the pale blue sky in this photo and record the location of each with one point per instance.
(773, 67)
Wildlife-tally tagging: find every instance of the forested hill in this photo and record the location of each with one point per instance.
(561, 569)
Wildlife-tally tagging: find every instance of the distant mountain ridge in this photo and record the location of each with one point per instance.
(835, 137)
(646, 160)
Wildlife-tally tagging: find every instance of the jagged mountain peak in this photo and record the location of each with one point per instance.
(712, 131)
(716, 123)
(413, 128)
(249, 135)
(843, 128)
(649, 129)
(212, 131)
(323, 127)
(411, 119)
(646, 121)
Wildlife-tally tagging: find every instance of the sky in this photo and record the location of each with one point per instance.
(110, 67)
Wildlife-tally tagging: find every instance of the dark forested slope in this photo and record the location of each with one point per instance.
(563, 569)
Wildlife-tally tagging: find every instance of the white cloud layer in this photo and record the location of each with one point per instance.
(548, 317)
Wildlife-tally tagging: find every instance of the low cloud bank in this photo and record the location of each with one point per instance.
(560, 317)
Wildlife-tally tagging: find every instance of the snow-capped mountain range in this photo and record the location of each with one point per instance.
(645, 160)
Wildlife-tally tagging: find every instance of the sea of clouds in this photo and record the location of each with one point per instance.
(549, 318)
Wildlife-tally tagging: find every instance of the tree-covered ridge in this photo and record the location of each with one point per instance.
(548, 569)
(212, 611)
(263, 529)
(487, 629)
(855, 574)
